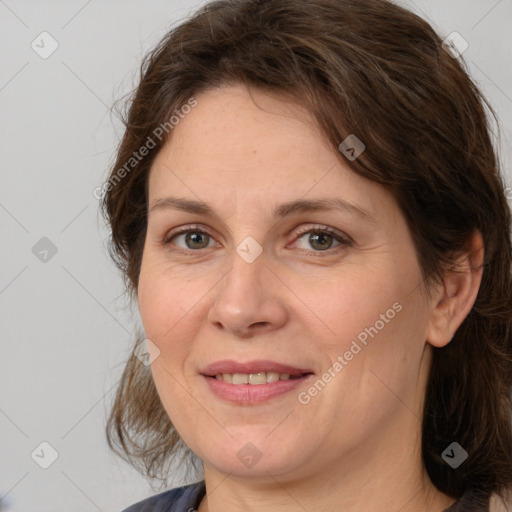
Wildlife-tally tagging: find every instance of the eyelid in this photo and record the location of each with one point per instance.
(326, 229)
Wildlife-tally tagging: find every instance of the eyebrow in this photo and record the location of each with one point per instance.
(282, 210)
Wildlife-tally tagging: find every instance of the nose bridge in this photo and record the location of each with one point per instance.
(242, 284)
(243, 300)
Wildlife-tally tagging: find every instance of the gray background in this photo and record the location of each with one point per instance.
(65, 325)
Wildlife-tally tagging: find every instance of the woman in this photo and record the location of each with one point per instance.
(307, 207)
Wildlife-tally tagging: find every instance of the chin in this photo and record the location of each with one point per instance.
(256, 456)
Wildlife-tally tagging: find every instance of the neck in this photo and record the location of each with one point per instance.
(226, 494)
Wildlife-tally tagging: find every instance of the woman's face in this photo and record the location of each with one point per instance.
(290, 259)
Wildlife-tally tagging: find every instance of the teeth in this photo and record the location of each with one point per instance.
(240, 378)
(252, 378)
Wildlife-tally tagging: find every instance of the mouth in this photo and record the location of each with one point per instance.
(254, 379)
(253, 372)
(252, 382)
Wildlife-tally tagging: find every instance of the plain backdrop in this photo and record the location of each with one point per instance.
(65, 328)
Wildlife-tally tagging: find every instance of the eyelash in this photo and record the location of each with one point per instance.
(318, 229)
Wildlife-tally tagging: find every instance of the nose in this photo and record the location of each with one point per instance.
(247, 301)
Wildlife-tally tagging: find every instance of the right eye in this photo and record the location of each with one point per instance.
(191, 239)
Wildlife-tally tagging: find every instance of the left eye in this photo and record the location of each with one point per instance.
(320, 240)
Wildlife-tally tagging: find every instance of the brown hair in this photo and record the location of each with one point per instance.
(374, 69)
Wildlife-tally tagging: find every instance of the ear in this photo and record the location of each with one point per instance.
(454, 297)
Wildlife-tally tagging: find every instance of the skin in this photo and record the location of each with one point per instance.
(357, 444)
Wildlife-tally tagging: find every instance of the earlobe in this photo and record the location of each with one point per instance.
(455, 296)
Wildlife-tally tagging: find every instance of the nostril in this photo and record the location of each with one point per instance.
(257, 324)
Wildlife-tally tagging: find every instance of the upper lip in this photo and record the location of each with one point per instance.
(230, 366)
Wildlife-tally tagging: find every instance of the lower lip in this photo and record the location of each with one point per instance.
(252, 393)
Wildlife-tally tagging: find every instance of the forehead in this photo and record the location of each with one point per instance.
(257, 147)
(234, 129)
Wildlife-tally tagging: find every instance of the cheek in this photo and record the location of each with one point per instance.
(173, 308)
(169, 318)
(346, 303)
(375, 320)
(163, 303)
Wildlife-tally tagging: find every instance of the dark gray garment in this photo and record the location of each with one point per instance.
(188, 498)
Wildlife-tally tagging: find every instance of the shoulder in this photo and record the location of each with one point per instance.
(180, 499)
